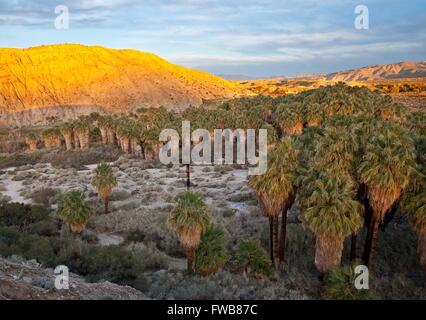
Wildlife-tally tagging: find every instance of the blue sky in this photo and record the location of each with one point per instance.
(250, 37)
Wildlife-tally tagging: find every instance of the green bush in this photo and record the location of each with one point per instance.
(340, 285)
(21, 215)
(107, 263)
(135, 236)
(250, 257)
(211, 254)
(45, 196)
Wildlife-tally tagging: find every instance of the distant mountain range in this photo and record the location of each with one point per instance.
(381, 72)
(374, 72)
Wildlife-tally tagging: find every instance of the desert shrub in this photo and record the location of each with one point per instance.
(47, 228)
(252, 258)
(228, 212)
(79, 158)
(119, 195)
(340, 285)
(135, 236)
(241, 197)
(21, 215)
(211, 254)
(16, 160)
(149, 257)
(27, 245)
(107, 263)
(45, 196)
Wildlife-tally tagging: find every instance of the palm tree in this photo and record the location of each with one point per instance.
(31, 140)
(385, 169)
(51, 137)
(340, 286)
(110, 124)
(329, 210)
(82, 131)
(104, 181)
(276, 193)
(289, 118)
(251, 257)
(189, 218)
(414, 205)
(313, 114)
(211, 254)
(67, 133)
(74, 210)
(103, 128)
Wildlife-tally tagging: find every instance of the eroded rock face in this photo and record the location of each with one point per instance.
(44, 116)
(40, 78)
(23, 280)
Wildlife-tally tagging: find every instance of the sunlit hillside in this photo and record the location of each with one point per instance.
(118, 80)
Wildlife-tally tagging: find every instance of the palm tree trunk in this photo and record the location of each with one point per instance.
(68, 141)
(353, 247)
(106, 204)
(190, 260)
(283, 234)
(421, 248)
(370, 243)
(275, 239)
(271, 238)
(188, 177)
(76, 140)
(328, 253)
(125, 145)
(104, 135)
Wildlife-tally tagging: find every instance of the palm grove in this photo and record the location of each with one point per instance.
(347, 157)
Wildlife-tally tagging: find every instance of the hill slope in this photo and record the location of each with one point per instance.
(118, 80)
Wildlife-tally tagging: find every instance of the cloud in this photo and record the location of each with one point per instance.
(231, 33)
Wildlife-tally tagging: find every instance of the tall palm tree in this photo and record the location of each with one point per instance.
(82, 131)
(74, 210)
(289, 118)
(189, 218)
(67, 132)
(276, 193)
(414, 205)
(104, 181)
(103, 128)
(51, 137)
(313, 114)
(385, 169)
(329, 210)
(31, 140)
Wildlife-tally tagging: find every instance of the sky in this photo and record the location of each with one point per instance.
(257, 38)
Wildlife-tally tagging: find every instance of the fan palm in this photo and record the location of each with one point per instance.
(104, 181)
(414, 205)
(82, 131)
(211, 254)
(313, 114)
(329, 210)
(74, 210)
(51, 137)
(189, 218)
(276, 193)
(103, 128)
(251, 257)
(385, 169)
(290, 118)
(67, 133)
(31, 140)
